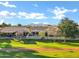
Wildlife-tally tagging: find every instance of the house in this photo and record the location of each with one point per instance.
(29, 31)
(14, 31)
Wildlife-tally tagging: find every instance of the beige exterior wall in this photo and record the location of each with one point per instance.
(51, 30)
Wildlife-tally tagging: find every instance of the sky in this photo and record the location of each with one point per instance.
(46, 12)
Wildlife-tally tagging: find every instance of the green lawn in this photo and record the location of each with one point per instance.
(33, 44)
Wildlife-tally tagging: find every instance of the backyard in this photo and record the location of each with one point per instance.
(30, 48)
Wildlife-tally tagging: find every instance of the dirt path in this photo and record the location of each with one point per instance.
(14, 49)
(55, 49)
(39, 49)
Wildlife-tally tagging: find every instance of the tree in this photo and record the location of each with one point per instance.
(68, 28)
(9, 25)
(4, 25)
(19, 25)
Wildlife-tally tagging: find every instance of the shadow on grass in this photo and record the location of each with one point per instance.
(29, 41)
(5, 40)
(33, 41)
(21, 54)
(5, 43)
(71, 44)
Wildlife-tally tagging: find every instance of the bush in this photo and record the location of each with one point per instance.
(5, 45)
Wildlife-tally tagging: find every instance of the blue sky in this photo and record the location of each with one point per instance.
(47, 12)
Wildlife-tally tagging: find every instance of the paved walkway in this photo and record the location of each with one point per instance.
(14, 49)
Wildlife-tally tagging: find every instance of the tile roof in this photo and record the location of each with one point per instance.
(14, 29)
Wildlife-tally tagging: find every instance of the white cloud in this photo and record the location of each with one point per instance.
(45, 23)
(35, 5)
(60, 12)
(6, 4)
(25, 15)
(12, 14)
(1, 21)
(7, 14)
(74, 10)
(32, 15)
(36, 22)
(4, 13)
(40, 23)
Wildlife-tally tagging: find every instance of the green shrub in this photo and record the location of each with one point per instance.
(5, 45)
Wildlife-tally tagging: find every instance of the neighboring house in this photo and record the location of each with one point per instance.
(29, 31)
(52, 30)
(14, 30)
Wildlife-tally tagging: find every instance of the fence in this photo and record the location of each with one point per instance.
(38, 37)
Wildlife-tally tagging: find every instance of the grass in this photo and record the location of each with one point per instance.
(60, 54)
(29, 43)
(19, 54)
(40, 44)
